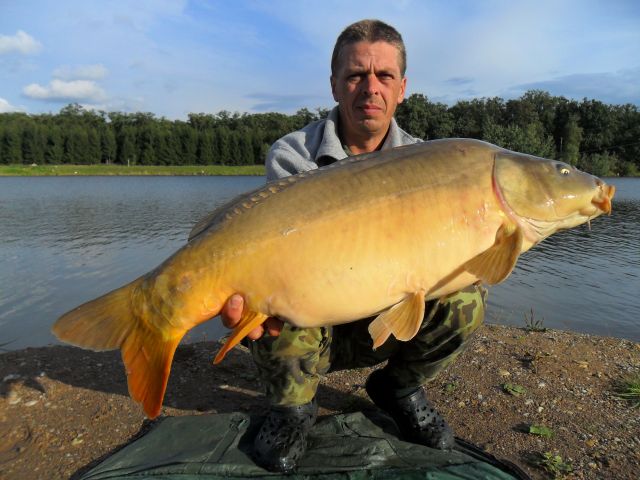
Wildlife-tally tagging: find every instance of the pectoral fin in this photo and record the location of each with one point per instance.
(403, 320)
(248, 322)
(495, 264)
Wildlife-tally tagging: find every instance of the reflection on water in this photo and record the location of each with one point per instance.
(66, 240)
(581, 279)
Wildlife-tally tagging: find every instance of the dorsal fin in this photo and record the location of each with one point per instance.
(249, 200)
(243, 202)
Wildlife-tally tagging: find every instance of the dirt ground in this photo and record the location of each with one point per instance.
(63, 410)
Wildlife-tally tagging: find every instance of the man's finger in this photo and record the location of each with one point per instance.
(232, 311)
(256, 333)
(273, 326)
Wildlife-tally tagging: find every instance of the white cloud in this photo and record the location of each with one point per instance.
(85, 72)
(6, 107)
(96, 107)
(21, 42)
(74, 90)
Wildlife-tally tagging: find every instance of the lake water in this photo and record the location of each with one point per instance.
(66, 240)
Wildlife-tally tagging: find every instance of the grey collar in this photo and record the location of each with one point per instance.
(331, 145)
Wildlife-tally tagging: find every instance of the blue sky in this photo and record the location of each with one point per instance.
(173, 57)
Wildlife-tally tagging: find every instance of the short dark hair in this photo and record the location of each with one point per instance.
(369, 31)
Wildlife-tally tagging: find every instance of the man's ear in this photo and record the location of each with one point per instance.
(403, 89)
(332, 80)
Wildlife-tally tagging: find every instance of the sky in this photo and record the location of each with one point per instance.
(175, 57)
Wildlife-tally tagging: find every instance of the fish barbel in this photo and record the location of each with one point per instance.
(373, 234)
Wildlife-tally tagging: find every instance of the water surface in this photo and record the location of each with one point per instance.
(66, 240)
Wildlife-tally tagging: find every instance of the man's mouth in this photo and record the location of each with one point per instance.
(370, 109)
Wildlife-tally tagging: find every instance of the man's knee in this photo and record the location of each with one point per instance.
(291, 364)
(466, 309)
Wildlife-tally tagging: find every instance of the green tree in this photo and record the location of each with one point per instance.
(570, 141)
(54, 146)
(93, 152)
(599, 164)
(599, 136)
(530, 139)
(599, 126)
(188, 144)
(245, 148)
(75, 145)
(234, 148)
(472, 117)
(165, 147)
(202, 121)
(126, 148)
(33, 143)
(303, 117)
(11, 143)
(205, 151)
(108, 146)
(424, 119)
(145, 145)
(223, 145)
(536, 105)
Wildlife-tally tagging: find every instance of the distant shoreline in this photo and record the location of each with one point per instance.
(121, 170)
(17, 170)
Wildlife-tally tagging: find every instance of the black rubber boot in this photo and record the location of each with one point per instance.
(282, 439)
(416, 418)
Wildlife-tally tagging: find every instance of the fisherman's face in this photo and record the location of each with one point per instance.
(368, 85)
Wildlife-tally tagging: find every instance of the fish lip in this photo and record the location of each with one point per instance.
(603, 198)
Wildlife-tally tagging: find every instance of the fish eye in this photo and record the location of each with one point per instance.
(564, 171)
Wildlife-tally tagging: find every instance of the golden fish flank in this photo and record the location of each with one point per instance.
(375, 233)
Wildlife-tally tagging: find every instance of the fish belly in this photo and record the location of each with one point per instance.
(359, 262)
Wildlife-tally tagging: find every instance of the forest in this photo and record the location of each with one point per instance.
(596, 137)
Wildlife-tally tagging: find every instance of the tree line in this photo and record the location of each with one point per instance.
(600, 138)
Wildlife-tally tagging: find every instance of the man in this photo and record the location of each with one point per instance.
(368, 82)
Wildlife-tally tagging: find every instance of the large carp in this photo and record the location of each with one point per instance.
(373, 234)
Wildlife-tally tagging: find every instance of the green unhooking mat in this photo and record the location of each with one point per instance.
(349, 446)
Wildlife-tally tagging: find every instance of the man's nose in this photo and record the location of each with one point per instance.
(371, 84)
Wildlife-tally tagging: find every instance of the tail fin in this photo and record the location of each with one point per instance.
(107, 323)
(101, 324)
(147, 356)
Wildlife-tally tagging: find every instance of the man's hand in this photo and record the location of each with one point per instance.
(232, 311)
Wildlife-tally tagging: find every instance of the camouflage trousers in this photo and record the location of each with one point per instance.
(292, 364)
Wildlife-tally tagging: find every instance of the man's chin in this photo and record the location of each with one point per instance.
(373, 125)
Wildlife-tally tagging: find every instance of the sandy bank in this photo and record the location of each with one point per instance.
(63, 409)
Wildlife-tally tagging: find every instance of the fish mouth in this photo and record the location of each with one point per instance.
(602, 199)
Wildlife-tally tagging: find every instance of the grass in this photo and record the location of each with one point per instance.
(513, 389)
(554, 465)
(531, 324)
(540, 430)
(450, 387)
(629, 389)
(96, 170)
